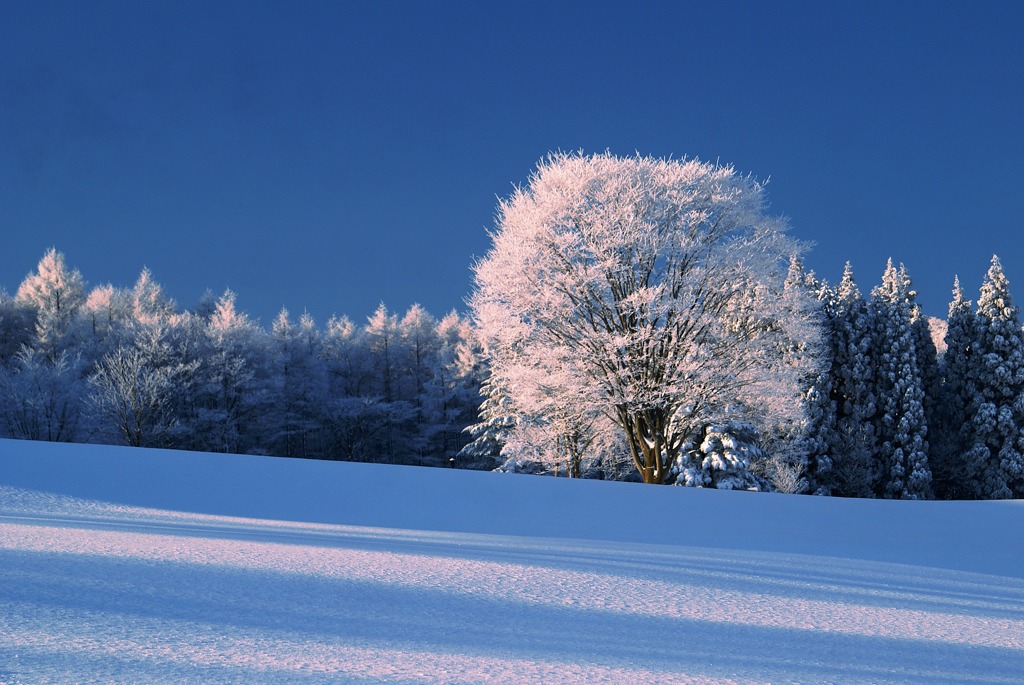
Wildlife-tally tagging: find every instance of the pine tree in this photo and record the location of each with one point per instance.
(721, 457)
(952, 474)
(488, 435)
(853, 441)
(997, 385)
(902, 459)
(927, 356)
(16, 327)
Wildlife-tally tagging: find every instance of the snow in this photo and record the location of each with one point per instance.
(148, 566)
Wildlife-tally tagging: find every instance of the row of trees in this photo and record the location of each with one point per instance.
(126, 365)
(644, 307)
(635, 318)
(890, 416)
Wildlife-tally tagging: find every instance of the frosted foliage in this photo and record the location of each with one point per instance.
(105, 309)
(644, 290)
(55, 292)
(41, 399)
(799, 453)
(134, 389)
(902, 424)
(853, 440)
(997, 383)
(149, 304)
(722, 459)
(299, 386)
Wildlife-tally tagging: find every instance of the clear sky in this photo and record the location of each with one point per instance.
(330, 156)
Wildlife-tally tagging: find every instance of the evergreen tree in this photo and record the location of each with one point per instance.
(997, 384)
(902, 459)
(419, 357)
(102, 321)
(853, 441)
(383, 339)
(453, 392)
(354, 413)
(721, 457)
(927, 356)
(149, 304)
(952, 474)
(490, 433)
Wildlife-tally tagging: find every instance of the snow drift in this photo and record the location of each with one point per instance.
(128, 565)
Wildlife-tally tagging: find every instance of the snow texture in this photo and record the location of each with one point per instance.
(147, 566)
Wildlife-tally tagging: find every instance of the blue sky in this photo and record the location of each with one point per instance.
(330, 156)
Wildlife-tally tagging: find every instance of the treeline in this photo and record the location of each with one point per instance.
(900, 405)
(128, 366)
(905, 408)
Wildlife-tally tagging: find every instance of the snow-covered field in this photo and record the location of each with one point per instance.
(135, 566)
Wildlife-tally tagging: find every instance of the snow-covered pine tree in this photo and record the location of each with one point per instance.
(997, 381)
(149, 304)
(102, 321)
(952, 474)
(721, 457)
(902, 428)
(355, 414)
(489, 434)
(927, 356)
(853, 441)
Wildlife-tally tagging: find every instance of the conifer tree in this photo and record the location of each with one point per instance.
(997, 377)
(927, 355)
(952, 474)
(488, 435)
(854, 441)
(902, 459)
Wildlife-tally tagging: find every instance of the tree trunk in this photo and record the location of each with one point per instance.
(649, 443)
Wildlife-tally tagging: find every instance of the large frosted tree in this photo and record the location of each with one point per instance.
(647, 290)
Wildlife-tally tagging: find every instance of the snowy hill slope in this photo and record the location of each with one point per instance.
(126, 565)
